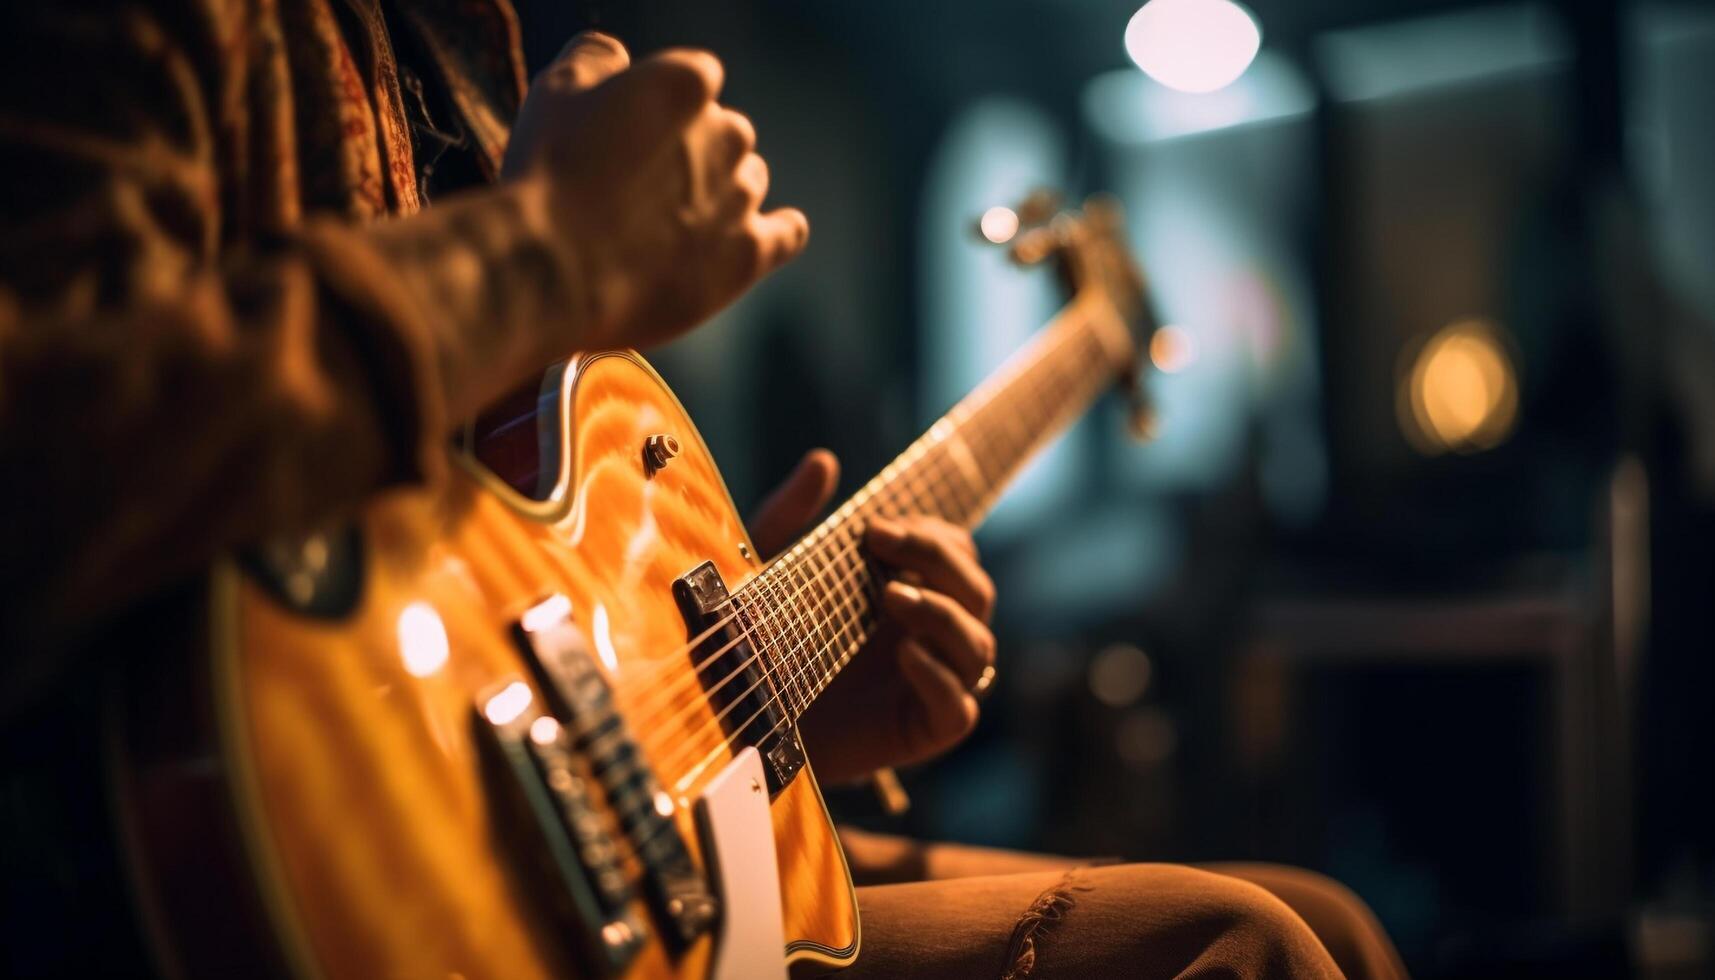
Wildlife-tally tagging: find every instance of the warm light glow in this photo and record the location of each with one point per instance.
(604, 640)
(1193, 45)
(616, 933)
(1171, 350)
(1461, 394)
(663, 803)
(547, 614)
(505, 707)
(1120, 674)
(544, 730)
(999, 224)
(422, 639)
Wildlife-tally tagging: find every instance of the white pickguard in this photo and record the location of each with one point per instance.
(738, 842)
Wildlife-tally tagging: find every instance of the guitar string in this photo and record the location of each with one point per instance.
(914, 486)
(1056, 417)
(763, 589)
(1009, 372)
(846, 577)
(727, 741)
(882, 481)
(840, 575)
(809, 650)
(847, 613)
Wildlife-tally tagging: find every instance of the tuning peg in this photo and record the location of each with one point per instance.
(1038, 207)
(1104, 213)
(1143, 423)
(1035, 245)
(1028, 228)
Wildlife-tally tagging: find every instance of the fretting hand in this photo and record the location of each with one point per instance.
(907, 696)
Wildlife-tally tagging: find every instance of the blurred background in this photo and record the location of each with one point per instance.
(1415, 586)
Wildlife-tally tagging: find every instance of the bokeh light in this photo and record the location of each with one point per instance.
(1461, 393)
(1193, 45)
(506, 705)
(422, 639)
(1171, 350)
(999, 224)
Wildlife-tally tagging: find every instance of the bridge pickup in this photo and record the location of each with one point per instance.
(749, 704)
(578, 695)
(581, 860)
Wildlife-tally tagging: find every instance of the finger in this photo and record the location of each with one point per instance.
(798, 499)
(948, 711)
(586, 61)
(654, 102)
(958, 638)
(751, 181)
(780, 236)
(937, 557)
(749, 188)
(735, 137)
(678, 82)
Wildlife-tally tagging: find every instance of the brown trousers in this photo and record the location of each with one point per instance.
(949, 911)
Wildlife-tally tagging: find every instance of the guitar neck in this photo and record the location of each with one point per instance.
(813, 608)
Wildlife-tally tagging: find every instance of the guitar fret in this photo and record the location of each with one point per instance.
(791, 630)
(812, 636)
(784, 674)
(824, 602)
(817, 605)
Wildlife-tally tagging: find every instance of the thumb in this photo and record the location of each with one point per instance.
(586, 61)
(792, 505)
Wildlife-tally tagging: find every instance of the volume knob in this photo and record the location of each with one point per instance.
(657, 450)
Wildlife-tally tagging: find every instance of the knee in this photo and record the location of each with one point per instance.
(1270, 935)
(1338, 917)
(1223, 926)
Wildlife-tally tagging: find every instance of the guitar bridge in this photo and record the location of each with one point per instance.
(740, 689)
(584, 723)
(573, 856)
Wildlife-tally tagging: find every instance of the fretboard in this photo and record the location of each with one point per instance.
(813, 608)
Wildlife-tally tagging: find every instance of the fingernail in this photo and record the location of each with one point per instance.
(902, 595)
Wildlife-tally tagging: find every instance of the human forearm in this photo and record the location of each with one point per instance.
(499, 293)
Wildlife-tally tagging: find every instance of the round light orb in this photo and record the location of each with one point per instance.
(1461, 392)
(422, 639)
(999, 224)
(1193, 45)
(1120, 674)
(1171, 349)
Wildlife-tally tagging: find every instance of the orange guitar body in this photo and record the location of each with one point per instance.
(342, 758)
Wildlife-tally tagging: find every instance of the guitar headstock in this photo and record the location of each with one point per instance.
(1088, 248)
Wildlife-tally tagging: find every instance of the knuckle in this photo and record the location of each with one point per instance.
(985, 595)
(741, 131)
(945, 610)
(682, 78)
(753, 179)
(919, 545)
(610, 44)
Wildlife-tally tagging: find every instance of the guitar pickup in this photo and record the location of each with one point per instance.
(578, 696)
(748, 703)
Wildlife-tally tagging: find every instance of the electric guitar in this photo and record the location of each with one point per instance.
(540, 721)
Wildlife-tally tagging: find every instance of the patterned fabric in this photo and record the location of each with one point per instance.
(204, 337)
